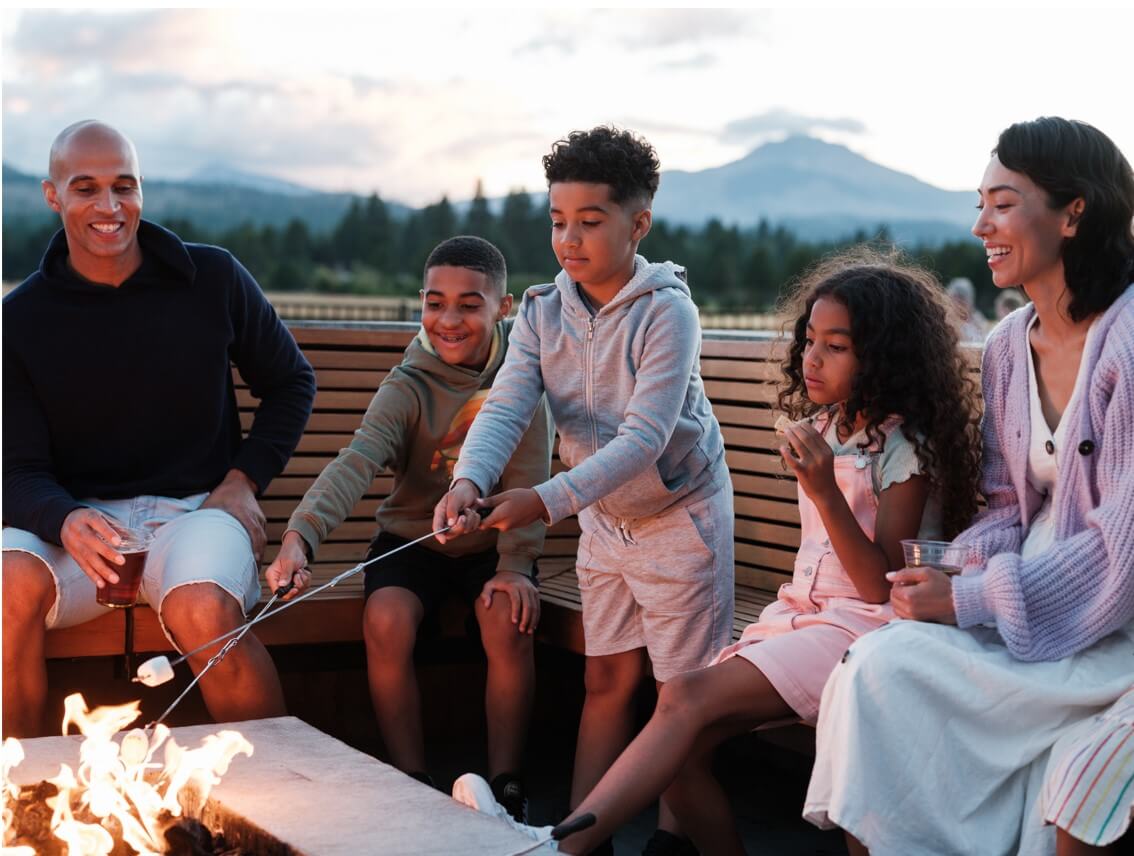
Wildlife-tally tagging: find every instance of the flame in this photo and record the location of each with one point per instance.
(121, 780)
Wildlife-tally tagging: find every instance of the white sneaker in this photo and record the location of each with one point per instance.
(473, 791)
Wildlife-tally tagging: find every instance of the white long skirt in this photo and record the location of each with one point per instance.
(935, 740)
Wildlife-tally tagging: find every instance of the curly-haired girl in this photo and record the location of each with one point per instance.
(885, 438)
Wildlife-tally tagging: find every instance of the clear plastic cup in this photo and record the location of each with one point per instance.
(134, 548)
(942, 555)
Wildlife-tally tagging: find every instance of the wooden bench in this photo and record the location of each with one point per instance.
(740, 372)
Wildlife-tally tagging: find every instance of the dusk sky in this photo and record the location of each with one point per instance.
(418, 103)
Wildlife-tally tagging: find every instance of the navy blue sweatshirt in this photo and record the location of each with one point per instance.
(119, 392)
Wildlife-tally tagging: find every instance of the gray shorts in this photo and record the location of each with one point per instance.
(190, 546)
(663, 583)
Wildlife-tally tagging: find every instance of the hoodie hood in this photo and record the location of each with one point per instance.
(421, 356)
(648, 276)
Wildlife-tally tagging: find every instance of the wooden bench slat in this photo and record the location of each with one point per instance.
(741, 373)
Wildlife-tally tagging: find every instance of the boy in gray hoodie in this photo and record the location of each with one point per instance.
(615, 344)
(414, 427)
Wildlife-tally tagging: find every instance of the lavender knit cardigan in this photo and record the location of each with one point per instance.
(1082, 589)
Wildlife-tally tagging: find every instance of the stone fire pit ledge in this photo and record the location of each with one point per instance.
(318, 795)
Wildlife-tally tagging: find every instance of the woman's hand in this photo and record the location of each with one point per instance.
(810, 457)
(922, 594)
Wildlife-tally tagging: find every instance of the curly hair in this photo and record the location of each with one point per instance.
(606, 155)
(1068, 160)
(469, 251)
(909, 365)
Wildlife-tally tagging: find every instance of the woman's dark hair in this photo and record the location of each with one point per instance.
(909, 365)
(1068, 160)
(606, 155)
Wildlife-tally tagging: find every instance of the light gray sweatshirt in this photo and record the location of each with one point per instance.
(625, 390)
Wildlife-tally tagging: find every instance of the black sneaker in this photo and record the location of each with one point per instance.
(509, 792)
(664, 843)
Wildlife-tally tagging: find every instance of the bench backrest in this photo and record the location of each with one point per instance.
(740, 371)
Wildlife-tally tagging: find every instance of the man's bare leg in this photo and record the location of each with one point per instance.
(245, 684)
(29, 592)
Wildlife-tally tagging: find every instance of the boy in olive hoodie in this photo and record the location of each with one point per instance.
(415, 427)
(615, 344)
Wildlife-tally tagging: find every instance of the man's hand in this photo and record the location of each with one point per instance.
(923, 594)
(456, 510)
(810, 457)
(237, 495)
(521, 592)
(290, 564)
(512, 509)
(90, 539)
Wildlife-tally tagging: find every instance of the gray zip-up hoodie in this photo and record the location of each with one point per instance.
(625, 390)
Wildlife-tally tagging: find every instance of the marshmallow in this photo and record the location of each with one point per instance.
(155, 672)
(135, 747)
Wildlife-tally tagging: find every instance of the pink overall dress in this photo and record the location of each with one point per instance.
(815, 617)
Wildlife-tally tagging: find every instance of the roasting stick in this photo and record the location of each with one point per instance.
(583, 821)
(159, 669)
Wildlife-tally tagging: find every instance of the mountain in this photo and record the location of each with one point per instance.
(221, 175)
(817, 189)
(224, 201)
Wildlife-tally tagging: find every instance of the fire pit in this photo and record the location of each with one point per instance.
(304, 792)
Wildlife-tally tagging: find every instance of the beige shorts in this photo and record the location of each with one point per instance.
(663, 583)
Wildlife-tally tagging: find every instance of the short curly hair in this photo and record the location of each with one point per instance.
(469, 251)
(909, 365)
(606, 155)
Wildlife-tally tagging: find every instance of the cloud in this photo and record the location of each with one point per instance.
(696, 62)
(670, 27)
(559, 42)
(54, 43)
(778, 121)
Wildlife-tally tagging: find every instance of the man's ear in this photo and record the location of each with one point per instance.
(1075, 209)
(505, 307)
(51, 196)
(643, 220)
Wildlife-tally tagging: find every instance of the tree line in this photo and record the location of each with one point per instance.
(370, 251)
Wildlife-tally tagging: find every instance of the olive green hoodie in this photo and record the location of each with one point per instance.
(415, 427)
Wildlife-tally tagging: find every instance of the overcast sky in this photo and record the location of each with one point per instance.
(419, 103)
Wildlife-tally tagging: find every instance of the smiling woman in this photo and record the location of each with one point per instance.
(935, 738)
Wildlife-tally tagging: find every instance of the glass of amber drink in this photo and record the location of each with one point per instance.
(134, 548)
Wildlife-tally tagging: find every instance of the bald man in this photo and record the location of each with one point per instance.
(119, 405)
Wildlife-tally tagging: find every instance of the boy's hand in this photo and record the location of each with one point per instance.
(512, 509)
(923, 594)
(523, 595)
(810, 457)
(291, 563)
(457, 511)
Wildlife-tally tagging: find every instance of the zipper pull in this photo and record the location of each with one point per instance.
(591, 329)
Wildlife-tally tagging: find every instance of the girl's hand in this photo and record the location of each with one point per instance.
(922, 594)
(512, 509)
(809, 456)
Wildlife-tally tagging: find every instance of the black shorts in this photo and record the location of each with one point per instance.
(428, 574)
